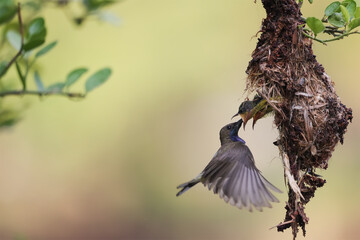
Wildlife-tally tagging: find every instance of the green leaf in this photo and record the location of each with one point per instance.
(6, 2)
(354, 23)
(310, 1)
(95, 4)
(34, 43)
(14, 39)
(351, 7)
(33, 5)
(38, 82)
(346, 2)
(56, 87)
(36, 34)
(46, 49)
(21, 76)
(332, 8)
(8, 117)
(109, 17)
(36, 26)
(3, 68)
(74, 75)
(337, 20)
(7, 10)
(345, 13)
(357, 13)
(97, 79)
(315, 25)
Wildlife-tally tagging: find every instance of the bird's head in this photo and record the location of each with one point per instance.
(245, 111)
(229, 133)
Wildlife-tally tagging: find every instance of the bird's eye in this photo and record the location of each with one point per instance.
(228, 127)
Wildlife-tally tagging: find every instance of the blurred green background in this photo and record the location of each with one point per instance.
(107, 167)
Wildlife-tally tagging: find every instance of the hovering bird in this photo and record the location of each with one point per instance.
(233, 175)
(255, 109)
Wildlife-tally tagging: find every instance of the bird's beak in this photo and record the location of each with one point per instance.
(235, 115)
(246, 117)
(254, 121)
(238, 125)
(255, 118)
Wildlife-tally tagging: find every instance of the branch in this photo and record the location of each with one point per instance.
(341, 36)
(40, 94)
(313, 38)
(21, 29)
(334, 31)
(332, 39)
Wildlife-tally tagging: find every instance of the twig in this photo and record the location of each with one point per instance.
(22, 41)
(45, 93)
(334, 31)
(332, 39)
(341, 36)
(313, 38)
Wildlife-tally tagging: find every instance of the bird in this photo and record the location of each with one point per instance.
(255, 109)
(232, 174)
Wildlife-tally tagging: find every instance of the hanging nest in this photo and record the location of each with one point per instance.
(308, 113)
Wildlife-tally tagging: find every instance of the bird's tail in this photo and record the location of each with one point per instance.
(186, 186)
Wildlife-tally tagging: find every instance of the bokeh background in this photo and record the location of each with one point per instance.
(107, 167)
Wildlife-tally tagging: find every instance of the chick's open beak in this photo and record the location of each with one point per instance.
(256, 117)
(246, 117)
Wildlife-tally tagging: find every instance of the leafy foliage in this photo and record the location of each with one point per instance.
(36, 34)
(340, 20)
(74, 76)
(315, 25)
(45, 49)
(97, 79)
(7, 10)
(27, 41)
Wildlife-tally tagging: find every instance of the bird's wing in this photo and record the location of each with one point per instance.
(233, 175)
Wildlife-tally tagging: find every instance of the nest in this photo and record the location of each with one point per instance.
(308, 113)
